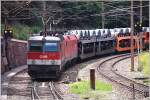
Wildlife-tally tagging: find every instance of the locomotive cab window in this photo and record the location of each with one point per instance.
(50, 47)
(35, 46)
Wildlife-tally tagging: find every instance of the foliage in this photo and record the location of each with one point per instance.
(88, 14)
(78, 14)
(35, 29)
(21, 31)
(145, 62)
(82, 14)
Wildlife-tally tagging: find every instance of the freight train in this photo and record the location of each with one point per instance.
(48, 55)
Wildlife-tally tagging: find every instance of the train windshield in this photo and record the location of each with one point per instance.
(50, 47)
(35, 46)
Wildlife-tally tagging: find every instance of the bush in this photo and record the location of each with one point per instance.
(140, 68)
(22, 31)
(145, 62)
(36, 29)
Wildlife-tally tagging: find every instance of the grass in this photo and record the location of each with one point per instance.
(83, 89)
(146, 82)
(21, 31)
(145, 63)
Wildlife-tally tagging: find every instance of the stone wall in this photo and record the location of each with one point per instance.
(17, 50)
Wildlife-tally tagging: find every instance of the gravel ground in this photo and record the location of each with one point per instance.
(71, 75)
(124, 67)
(19, 87)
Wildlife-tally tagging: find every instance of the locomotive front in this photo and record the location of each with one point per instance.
(43, 57)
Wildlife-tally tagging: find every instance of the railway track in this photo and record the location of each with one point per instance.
(106, 69)
(48, 92)
(28, 89)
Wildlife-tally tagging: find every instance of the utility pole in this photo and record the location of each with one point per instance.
(103, 16)
(141, 17)
(116, 21)
(6, 43)
(140, 38)
(44, 17)
(132, 31)
(6, 18)
(50, 26)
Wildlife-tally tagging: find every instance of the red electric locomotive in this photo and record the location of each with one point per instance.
(47, 56)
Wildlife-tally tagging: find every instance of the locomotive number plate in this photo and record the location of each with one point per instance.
(43, 56)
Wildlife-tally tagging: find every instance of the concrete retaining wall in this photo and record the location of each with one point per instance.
(17, 50)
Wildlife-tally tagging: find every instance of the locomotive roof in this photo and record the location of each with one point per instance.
(48, 38)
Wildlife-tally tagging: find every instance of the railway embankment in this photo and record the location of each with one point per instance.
(16, 54)
(84, 74)
(119, 92)
(124, 68)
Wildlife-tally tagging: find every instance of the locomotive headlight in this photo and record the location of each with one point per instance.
(10, 31)
(135, 25)
(5, 31)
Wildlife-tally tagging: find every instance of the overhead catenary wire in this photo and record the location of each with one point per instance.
(112, 13)
(116, 12)
(107, 4)
(20, 7)
(127, 9)
(108, 12)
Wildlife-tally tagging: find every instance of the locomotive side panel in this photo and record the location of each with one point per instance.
(70, 47)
